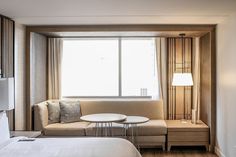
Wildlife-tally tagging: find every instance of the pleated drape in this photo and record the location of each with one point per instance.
(196, 77)
(55, 46)
(161, 60)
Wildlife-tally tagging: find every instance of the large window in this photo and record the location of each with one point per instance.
(109, 67)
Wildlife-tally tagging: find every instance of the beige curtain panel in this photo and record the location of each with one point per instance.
(55, 46)
(161, 60)
(196, 77)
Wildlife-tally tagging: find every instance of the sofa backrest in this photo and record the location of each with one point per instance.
(150, 109)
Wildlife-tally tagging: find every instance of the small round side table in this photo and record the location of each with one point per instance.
(103, 122)
(132, 123)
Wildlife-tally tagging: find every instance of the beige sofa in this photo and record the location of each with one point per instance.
(150, 134)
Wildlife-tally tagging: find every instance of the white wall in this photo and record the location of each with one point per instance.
(20, 102)
(226, 87)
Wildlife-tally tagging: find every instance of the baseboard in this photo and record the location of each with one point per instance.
(219, 152)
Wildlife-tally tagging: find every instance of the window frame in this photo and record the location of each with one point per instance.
(119, 71)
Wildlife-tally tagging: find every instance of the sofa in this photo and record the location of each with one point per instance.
(150, 134)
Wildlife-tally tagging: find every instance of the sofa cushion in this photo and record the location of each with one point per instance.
(66, 129)
(53, 112)
(70, 111)
(151, 128)
(117, 130)
(40, 116)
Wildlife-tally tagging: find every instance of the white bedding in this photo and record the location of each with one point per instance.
(4, 128)
(69, 147)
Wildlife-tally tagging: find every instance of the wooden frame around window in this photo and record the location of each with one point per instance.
(208, 44)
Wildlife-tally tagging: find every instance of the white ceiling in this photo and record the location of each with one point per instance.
(67, 12)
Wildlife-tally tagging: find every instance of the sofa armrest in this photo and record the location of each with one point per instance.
(40, 116)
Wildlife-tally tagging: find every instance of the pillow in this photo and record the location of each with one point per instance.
(53, 112)
(70, 111)
(4, 128)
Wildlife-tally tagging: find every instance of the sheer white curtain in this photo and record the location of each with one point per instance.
(55, 47)
(161, 62)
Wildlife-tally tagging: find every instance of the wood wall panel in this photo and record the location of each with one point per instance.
(179, 98)
(205, 69)
(0, 45)
(7, 48)
(65, 30)
(208, 83)
(7, 56)
(37, 76)
(58, 30)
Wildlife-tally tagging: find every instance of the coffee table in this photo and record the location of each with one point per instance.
(103, 122)
(132, 123)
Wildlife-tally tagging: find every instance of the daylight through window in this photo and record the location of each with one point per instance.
(109, 67)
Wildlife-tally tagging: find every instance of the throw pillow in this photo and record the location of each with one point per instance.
(70, 111)
(53, 112)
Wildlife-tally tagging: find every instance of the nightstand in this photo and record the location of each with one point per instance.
(187, 134)
(29, 134)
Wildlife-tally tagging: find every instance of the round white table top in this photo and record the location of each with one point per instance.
(103, 117)
(135, 120)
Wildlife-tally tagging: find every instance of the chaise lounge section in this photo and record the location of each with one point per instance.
(150, 134)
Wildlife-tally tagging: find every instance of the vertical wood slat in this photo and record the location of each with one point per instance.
(4, 49)
(0, 45)
(178, 62)
(7, 56)
(11, 49)
(7, 48)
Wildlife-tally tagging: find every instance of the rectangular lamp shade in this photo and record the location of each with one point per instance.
(182, 79)
(6, 94)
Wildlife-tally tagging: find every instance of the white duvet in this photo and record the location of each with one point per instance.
(69, 147)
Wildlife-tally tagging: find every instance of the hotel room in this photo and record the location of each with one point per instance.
(117, 78)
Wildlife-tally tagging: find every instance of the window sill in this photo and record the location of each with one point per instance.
(140, 98)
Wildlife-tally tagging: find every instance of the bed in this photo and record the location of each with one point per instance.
(63, 147)
(69, 147)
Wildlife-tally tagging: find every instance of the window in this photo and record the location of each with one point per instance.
(90, 67)
(109, 67)
(138, 67)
